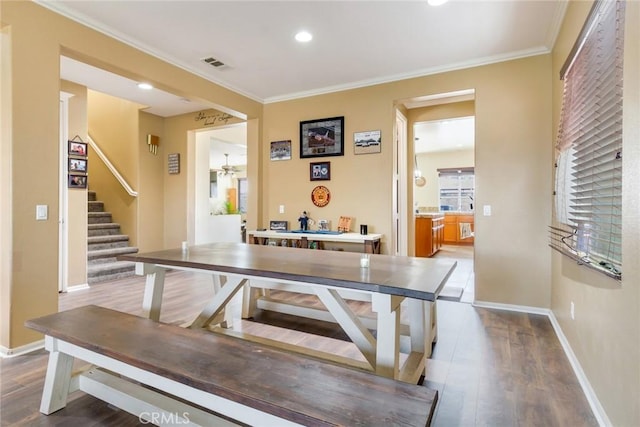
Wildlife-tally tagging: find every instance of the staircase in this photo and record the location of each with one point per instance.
(104, 244)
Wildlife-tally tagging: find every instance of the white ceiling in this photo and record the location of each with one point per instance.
(444, 135)
(356, 43)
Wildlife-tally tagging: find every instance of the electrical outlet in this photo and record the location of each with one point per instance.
(281, 208)
(573, 311)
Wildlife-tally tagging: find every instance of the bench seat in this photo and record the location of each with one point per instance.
(247, 382)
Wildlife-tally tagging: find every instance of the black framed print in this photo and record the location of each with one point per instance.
(77, 181)
(77, 165)
(322, 137)
(77, 148)
(320, 171)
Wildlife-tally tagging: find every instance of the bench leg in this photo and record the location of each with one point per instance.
(57, 380)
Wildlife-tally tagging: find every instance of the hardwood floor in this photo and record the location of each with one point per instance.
(491, 368)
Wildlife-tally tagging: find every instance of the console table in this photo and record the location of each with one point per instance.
(305, 239)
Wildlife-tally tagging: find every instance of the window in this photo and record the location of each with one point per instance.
(457, 188)
(242, 195)
(588, 214)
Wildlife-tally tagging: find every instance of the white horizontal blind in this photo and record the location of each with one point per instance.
(591, 133)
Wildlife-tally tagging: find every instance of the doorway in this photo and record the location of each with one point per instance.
(220, 172)
(445, 158)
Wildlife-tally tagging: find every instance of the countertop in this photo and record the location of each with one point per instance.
(441, 214)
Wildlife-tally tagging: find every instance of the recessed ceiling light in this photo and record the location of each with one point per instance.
(436, 2)
(304, 36)
(145, 86)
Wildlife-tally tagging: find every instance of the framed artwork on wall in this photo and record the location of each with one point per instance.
(320, 171)
(77, 181)
(322, 137)
(367, 142)
(281, 150)
(77, 165)
(77, 148)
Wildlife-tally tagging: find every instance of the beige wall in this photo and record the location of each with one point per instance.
(32, 130)
(150, 186)
(113, 125)
(513, 170)
(428, 165)
(605, 335)
(77, 198)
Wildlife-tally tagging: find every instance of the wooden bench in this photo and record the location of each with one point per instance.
(239, 381)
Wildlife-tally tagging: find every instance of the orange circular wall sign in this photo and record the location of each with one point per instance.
(320, 196)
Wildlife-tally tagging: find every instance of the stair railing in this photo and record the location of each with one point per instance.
(112, 168)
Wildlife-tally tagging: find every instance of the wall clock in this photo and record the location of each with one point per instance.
(320, 196)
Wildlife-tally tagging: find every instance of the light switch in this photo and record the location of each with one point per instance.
(486, 210)
(281, 208)
(42, 212)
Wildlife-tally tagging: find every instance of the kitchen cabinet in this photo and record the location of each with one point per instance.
(429, 234)
(452, 229)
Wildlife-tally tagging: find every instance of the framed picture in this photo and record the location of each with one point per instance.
(323, 137)
(281, 150)
(77, 148)
(77, 165)
(279, 225)
(320, 171)
(77, 181)
(367, 142)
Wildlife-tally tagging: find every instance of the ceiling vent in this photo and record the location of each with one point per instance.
(214, 62)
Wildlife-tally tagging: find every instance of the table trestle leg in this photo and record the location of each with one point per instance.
(57, 380)
(218, 302)
(349, 322)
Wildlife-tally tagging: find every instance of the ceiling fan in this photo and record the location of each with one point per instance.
(226, 168)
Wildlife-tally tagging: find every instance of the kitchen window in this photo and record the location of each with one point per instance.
(457, 189)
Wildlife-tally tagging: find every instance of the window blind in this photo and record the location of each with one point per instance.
(589, 167)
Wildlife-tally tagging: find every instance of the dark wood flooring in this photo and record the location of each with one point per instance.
(491, 368)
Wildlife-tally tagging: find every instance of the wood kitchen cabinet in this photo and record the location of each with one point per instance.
(429, 234)
(452, 228)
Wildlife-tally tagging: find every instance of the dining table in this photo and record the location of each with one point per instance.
(402, 290)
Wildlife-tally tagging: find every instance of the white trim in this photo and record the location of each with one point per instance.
(590, 394)
(63, 195)
(412, 75)
(511, 307)
(112, 168)
(22, 350)
(80, 287)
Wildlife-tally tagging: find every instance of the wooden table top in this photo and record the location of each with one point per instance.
(419, 278)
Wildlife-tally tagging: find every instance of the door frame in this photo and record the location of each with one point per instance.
(400, 197)
(63, 196)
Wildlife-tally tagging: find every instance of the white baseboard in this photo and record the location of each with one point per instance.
(77, 287)
(19, 351)
(594, 403)
(596, 407)
(511, 307)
